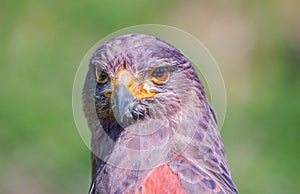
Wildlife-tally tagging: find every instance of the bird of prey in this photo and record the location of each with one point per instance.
(153, 130)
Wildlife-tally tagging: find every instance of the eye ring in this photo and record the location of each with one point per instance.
(160, 75)
(102, 76)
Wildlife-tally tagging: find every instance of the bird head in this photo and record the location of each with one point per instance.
(140, 79)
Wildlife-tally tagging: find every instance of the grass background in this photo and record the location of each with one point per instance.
(256, 44)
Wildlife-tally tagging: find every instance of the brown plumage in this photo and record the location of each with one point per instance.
(153, 130)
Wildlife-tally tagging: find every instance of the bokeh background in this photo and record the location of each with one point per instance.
(256, 44)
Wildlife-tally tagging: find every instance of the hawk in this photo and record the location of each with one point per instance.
(153, 130)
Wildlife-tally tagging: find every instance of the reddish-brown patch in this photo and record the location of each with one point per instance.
(161, 180)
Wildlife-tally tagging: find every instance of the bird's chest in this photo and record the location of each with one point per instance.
(159, 180)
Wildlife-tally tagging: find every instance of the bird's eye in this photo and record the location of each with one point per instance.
(102, 76)
(160, 75)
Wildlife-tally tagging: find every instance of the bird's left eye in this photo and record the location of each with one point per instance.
(160, 75)
(102, 76)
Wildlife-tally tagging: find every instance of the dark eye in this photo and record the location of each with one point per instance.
(160, 75)
(102, 76)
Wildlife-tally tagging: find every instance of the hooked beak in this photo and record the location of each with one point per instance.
(122, 100)
(126, 90)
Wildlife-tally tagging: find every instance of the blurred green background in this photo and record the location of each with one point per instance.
(256, 44)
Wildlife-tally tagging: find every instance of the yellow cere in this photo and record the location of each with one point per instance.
(134, 87)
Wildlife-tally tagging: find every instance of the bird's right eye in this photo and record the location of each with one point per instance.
(102, 76)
